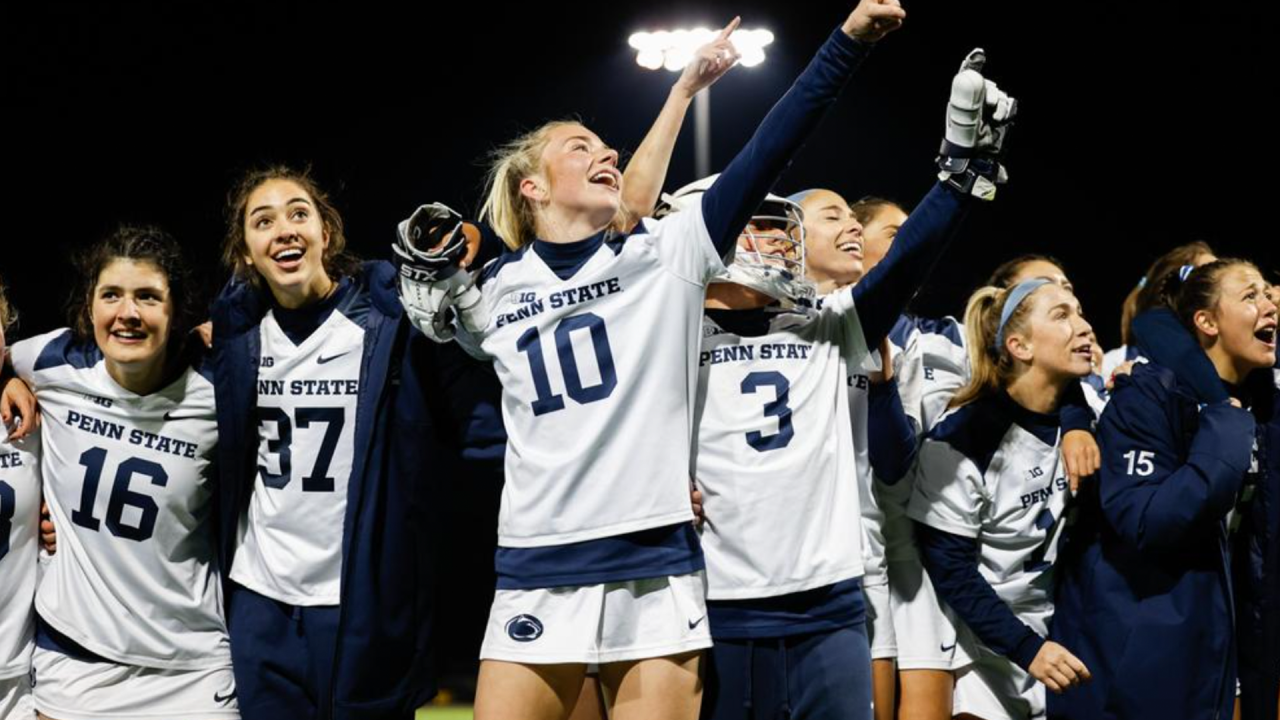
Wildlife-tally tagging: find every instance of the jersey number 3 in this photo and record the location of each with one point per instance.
(775, 408)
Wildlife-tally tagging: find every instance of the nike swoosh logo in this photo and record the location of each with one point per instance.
(948, 648)
(170, 416)
(224, 699)
(695, 623)
(322, 359)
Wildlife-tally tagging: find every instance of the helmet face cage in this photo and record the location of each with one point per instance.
(769, 254)
(775, 239)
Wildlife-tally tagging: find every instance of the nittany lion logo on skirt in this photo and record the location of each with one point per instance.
(524, 628)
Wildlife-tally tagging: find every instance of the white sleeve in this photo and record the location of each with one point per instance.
(839, 309)
(684, 246)
(947, 490)
(946, 369)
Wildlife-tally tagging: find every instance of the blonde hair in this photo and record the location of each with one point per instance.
(990, 367)
(7, 314)
(505, 209)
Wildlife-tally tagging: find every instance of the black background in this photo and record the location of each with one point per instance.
(1143, 125)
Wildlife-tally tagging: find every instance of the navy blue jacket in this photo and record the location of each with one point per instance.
(1145, 596)
(418, 403)
(1256, 557)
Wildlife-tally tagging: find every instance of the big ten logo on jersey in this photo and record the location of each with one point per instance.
(99, 401)
(860, 382)
(266, 361)
(1041, 495)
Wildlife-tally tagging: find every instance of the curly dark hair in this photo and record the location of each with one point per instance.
(139, 243)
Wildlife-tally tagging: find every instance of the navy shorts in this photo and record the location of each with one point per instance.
(813, 676)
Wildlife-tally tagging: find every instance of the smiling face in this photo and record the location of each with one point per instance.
(1054, 338)
(285, 242)
(579, 182)
(833, 241)
(131, 312)
(879, 232)
(1239, 330)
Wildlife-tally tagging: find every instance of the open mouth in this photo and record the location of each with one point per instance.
(1084, 351)
(289, 258)
(608, 178)
(1267, 335)
(853, 248)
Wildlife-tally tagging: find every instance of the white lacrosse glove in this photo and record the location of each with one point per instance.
(433, 288)
(979, 115)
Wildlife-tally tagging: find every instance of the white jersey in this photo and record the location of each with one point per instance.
(944, 366)
(290, 538)
(598, 374)
(128, 481)
(19, 523)
(775, 453)
(993, 471)
(883, 505)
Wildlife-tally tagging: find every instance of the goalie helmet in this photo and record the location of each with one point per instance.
(769, 254)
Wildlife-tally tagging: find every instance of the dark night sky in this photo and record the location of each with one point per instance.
(1136, 133)
(1139, 128)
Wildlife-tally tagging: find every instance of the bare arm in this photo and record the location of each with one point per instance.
(647, 169)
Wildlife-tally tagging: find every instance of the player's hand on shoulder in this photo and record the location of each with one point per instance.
(18, 405)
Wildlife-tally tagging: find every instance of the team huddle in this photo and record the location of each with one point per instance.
(739, 479)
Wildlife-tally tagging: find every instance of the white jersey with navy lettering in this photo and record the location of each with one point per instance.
(128, 482)
(775, 453)
(944, 366)
(19, 522)
(883, 503)
(598, 374)
(993, 471)
(290, 539)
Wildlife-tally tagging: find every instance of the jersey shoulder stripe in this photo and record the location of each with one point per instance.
(974, 430)
(61, 348)
(901, 331)
(946, 327)
(492, 268)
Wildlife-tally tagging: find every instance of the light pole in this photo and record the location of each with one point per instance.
(673, 49)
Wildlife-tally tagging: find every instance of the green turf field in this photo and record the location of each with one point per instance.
(456, 712)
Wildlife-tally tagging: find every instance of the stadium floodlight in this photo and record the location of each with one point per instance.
(673, 49)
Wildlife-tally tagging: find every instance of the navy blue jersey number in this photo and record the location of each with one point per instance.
(8, 504)
(318, 480)
(531, 342)
(774, 408)
(122, 495)
(1036, 563)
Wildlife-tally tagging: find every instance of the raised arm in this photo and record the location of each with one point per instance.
(647, 169)
(728, 204)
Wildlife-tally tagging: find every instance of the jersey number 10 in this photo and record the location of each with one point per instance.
(531, 342)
